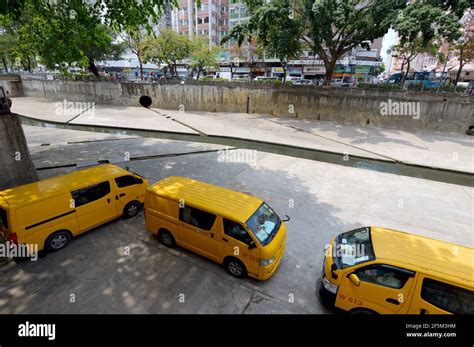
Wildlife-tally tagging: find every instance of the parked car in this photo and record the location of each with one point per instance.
(231, 228)
(377, 270)
(52, 211)
(341, 82)
(265, 79)
(302, 82)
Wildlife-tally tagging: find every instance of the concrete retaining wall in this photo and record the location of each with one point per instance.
(14, 88)
(453, 113)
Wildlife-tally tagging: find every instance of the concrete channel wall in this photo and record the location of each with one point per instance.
(12, 84)
(430, 111)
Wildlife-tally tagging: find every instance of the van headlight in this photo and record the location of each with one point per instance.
(329, 286)
(266, 262)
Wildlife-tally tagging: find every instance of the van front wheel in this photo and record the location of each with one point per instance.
(57, 241)
(131, 209)
(235, 267)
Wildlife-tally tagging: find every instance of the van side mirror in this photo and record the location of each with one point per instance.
(252, 245)
(287, 218)
(333, 268)
(354, 279)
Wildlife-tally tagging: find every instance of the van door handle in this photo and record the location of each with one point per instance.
(393, 301)
(224, 239)
(196, 230)
(123, 194)
(212, 235)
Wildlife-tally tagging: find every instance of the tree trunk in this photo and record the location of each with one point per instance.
(140, 66)
(199, 72)
(405, 74)
(330, 67)
(93, 68)
(4, 61)
(458, 74)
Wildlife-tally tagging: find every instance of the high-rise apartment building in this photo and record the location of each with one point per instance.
(210, 19)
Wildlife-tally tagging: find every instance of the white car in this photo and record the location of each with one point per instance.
(302, 82)
(264, 79)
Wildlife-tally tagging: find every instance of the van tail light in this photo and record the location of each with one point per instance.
(14, 238)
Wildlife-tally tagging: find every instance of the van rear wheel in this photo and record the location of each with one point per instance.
(57, 241)
(235, 267)
(131, 209)
(167, 238)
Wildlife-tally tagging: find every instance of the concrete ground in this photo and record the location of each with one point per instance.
(94, 274)
(432, 149)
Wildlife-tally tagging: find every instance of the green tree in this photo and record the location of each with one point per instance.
(273, 26)
(203, 55)
(422, 28)
(464, 46)
(407, 51)
(330, 28)
(168, 48)
(8, 43)
(74, 33)
(134, 39)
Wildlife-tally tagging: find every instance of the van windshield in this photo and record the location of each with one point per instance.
(264, 224)
(353, 247)
(3, 219)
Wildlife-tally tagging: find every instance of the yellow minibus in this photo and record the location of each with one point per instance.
(51, 211)
(231, 228)
(376, 270)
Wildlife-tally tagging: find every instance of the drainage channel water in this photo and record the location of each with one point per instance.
(379, 165)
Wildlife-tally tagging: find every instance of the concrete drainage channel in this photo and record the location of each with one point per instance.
(379, 165)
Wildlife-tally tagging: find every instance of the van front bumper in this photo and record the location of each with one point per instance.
(327, 298)
(265, 272)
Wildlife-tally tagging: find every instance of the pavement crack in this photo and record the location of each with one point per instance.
(179, 122)
(248, 302)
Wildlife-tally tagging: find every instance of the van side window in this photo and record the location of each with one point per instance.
(3, 218)
(447, 297)
(383, 276)
(85, 195)
(236, 231)
(128, 180)
(198, 218)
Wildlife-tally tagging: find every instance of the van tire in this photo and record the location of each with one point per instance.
(235, 267)
(57, 241)
(166, 238)
(131, 209)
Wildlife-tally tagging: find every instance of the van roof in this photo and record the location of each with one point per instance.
(220, 201)
(28, 193)
(437, 258)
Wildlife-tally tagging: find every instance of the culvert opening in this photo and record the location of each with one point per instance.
(145, 101)
(470, 131)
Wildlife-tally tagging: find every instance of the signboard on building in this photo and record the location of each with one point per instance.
(362, 69)
(314, 70)
(294, 71)
(241, 70)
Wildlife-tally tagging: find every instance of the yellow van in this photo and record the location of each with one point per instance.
(377, 270)
(231, 228)
(51, 211)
